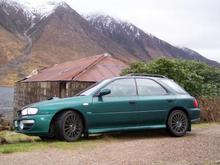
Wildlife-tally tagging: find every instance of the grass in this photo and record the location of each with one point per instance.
(39, 145)
(18, 142)
(22, 143)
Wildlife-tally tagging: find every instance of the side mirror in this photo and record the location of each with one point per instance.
(104, 92)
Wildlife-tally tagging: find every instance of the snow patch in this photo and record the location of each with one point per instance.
(137, 34)
(6, 12)
(43, 9)
(17, 6)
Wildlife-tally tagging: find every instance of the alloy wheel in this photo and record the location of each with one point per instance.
(178, 123)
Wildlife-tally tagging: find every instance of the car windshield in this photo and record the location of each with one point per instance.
(172, 84)
(92, 88)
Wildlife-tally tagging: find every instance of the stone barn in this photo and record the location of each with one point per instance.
(66, 79)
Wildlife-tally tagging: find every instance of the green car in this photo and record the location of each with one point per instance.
(113, 105)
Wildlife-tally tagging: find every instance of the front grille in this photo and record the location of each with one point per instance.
(28, 126)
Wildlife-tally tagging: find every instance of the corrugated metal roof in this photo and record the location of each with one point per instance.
(94, 68)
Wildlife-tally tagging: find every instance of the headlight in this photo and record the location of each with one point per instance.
(29, 111)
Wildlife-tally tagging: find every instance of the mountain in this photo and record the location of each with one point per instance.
(57, 37)
(64, 34)
(15, 17)
(137, 42)
(32, 40)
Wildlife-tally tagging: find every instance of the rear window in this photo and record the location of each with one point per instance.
(148, 87)
(172, 84)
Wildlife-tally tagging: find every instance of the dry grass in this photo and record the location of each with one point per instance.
(9, 79)
(22, 143)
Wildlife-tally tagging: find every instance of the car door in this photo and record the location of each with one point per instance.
(154, 102)
(116, 109)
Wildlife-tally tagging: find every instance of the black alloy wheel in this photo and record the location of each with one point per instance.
(70, 126)
(178, 123)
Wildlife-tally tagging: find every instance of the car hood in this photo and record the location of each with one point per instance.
(63, 101)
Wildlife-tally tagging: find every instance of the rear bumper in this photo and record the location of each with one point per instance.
(33, 125)
(194, 115)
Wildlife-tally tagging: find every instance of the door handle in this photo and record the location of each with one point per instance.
(132, 102)
(170, 100)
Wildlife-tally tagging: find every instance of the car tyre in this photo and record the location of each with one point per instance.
(69, 126)
(51, 135)
(178, 123)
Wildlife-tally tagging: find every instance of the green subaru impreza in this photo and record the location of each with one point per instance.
(117, 104)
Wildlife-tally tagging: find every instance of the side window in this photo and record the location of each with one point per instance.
(147, 87)
(122, 87)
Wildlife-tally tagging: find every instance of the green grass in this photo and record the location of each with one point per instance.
(22, 143)
(18, 142)
(21, 147)
(39, 145)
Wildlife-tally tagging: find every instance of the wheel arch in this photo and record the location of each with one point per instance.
(69, 109)
(184, 110)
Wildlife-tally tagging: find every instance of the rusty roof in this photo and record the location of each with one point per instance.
(94, 68)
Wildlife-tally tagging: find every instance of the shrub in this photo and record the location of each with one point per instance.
(197, 78)
(210, 108)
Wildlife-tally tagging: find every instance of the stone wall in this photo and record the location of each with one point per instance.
(31, 92)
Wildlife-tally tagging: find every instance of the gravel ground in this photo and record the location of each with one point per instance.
(201, 146)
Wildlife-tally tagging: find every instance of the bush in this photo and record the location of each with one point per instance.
(199, 79)
(210, 108)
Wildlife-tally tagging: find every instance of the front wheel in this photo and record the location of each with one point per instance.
(69, 126)
(178, 123)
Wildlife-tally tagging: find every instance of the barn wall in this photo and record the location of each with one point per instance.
(31, 92)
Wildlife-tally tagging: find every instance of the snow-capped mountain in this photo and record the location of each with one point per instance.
(141, 44)
(21, 16)
(6, 5)
(27, 7)
(14, 17)
(109, 24)
(37, 38)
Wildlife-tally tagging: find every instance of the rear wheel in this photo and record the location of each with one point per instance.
(69, 126)
(178, 123)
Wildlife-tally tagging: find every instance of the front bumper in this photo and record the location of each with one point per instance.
(33, 125)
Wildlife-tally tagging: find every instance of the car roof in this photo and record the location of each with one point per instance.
(146, 75)
(156, 77)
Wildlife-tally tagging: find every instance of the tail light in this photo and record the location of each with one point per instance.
(196, 104)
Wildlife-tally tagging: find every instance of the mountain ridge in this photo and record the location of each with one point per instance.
(132, 37)
(63, 34)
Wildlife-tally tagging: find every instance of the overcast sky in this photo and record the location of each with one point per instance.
(185, 23)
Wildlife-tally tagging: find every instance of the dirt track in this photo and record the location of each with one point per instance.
(201, 146)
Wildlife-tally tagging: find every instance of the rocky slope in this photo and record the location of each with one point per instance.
(32, 40)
